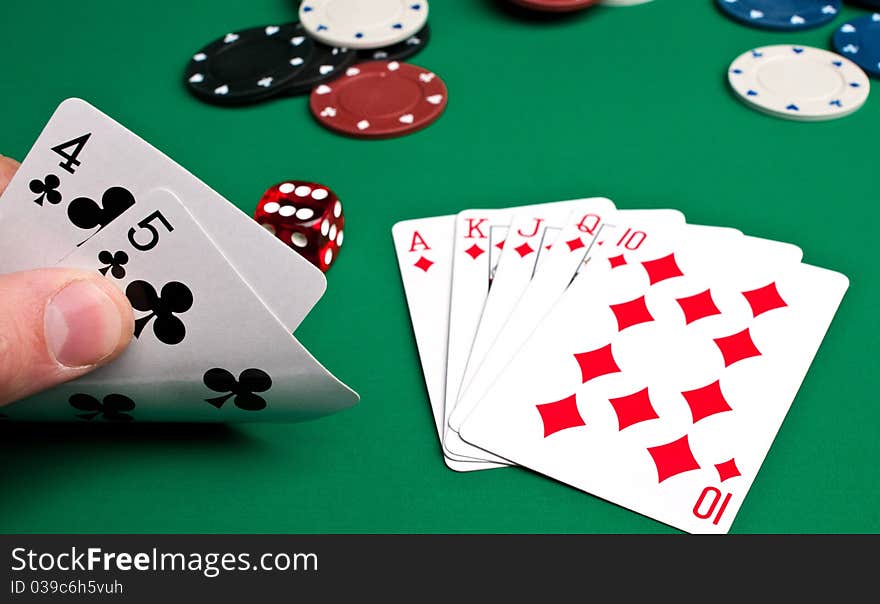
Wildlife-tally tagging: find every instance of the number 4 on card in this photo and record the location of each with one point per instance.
(77, 144)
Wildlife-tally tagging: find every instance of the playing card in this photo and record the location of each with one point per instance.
(719, 240)
(517, 266)
(583, 232)
(572, 251)
(205, 348)
(424, 254)
(662, 376)
(86, 171)
(528, 236)
(470, 286)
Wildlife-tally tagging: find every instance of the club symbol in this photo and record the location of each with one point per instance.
(114, 263)
(46, 189)
(174, 298)
(87, 214)
(112, 409)
(243, 389)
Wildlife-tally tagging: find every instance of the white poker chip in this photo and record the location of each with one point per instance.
(363, 23)
(798, 82)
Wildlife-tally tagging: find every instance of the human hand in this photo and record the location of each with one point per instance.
(56, 324)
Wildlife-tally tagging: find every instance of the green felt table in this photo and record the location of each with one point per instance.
(628, 103)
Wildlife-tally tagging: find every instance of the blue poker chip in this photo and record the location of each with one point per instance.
(859, 41)
(792, 15)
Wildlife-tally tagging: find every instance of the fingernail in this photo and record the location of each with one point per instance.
(83, 325)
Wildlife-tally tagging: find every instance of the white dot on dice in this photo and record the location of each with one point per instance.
(286, 187)
(298, 239)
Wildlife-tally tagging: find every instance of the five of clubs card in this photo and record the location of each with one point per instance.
(627, 353)
(92, 195)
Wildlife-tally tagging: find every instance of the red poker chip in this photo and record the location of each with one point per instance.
(380, 99)
(557, 6)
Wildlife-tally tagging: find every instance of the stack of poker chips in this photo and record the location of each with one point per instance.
(357, 42)
(802, 83)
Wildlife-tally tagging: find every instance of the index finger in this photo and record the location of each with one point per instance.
(8, 166)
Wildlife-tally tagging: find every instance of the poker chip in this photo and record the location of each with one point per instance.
(781, 14)
(363, 23)
(326, 64)
(555, 6)
(623, 2)
(798, 82)
(400, 51)
(257, 63)
(380, 99)
(859, 40)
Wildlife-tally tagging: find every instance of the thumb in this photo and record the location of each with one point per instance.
(56, 325)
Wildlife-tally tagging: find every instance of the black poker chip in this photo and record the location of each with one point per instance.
(400, 51)
(258, 63)
(327, 63)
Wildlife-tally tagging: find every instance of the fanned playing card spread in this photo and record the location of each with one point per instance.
(213, 322)
(638, 358)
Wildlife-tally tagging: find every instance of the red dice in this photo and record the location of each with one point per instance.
(307, 217)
